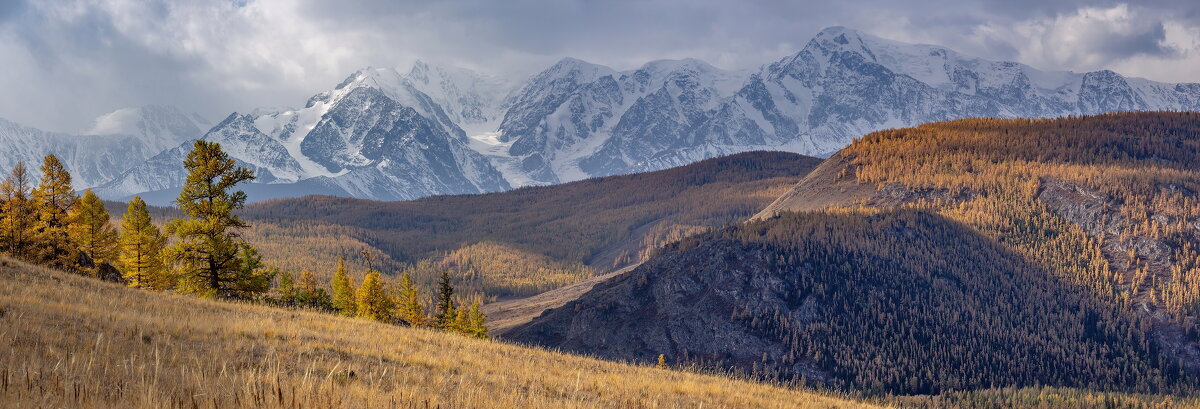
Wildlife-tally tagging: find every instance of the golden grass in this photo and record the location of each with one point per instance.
(73, 342)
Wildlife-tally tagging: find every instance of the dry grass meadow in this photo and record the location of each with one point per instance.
(72, 342)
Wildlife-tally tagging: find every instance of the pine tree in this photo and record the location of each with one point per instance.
(373, 301)
(252, 276)
(93, 232)
(16, 227)
(343, 290)
(53, 199)
(408, 302)
(210, 258)
(445, 305)
(141, 247)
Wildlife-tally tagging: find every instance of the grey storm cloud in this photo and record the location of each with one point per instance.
(68, 61)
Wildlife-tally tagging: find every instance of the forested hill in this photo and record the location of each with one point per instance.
(601, 222)
(953, 255)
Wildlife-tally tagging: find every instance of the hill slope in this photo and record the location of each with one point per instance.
(76, 342)
(604, 222)
(948, 256)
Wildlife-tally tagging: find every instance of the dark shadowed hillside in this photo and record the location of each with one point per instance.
(906, 301)
(964, 254)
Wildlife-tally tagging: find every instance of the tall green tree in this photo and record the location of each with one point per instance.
(286, 288)
(343, 290)
(408, 302)
(141, 246)
(210, 258)
(92, 230)
(53, 199)
(373, 300)
(16, 225)
(446, 313)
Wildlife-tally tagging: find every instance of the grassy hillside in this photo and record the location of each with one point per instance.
(71, 341)
(964, 254)
(539, 235)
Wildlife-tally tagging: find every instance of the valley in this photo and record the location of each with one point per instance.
(579, 204)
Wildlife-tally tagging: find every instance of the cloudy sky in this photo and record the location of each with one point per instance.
(63, 63)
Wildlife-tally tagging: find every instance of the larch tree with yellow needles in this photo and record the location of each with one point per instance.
(93, 232)
(343, 290)
(141, 246)
(373, 302)
(52, 200)
(16, 227)
(408, 302)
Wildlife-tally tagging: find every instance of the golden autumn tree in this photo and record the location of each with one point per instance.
(52, 202)
(408, 302)
(16, 225)
(372, 300)
(343, 298)
(141, 246)
(93, 232)
(470, 321)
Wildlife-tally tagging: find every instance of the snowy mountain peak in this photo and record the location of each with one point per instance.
(471, 99)
(575, 70)
(429, 129)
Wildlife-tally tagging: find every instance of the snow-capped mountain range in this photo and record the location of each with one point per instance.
(116, 142)
(393, 134)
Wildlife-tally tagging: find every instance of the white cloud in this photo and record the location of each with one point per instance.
(1131, 40)
(67, 61)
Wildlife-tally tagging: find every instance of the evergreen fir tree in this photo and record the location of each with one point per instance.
(92, 230)
(53, 199)
(343, 290)
(445, 305)
(16, 225)
(252, 276)
(210, 258)
(409, 306)
(141, 247)
(373, 301)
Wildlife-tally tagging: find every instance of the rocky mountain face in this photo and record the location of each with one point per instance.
(117, 141)
(576, 120)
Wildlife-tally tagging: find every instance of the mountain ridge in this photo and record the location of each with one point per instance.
(576, 119)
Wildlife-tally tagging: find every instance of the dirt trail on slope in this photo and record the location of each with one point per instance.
(506, 314)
